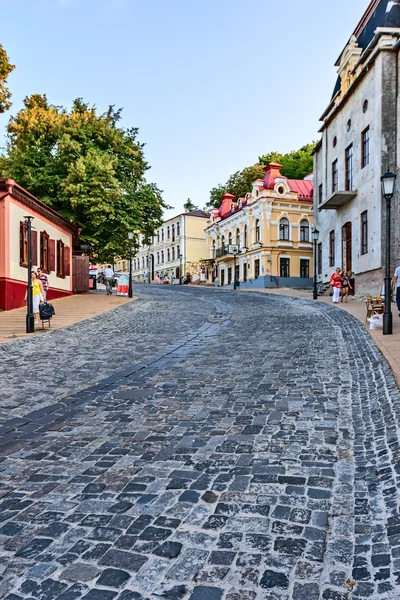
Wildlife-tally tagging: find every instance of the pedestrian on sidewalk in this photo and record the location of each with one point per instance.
(346, 286)
(108, 279)
(396, 281)
(45, 282)
(37, 295)
(336, 283)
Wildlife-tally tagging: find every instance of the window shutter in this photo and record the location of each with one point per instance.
(67, 262)
(34, 248)
(52, 255)
(21, 243)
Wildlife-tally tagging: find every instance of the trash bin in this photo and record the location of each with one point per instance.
(92, 282)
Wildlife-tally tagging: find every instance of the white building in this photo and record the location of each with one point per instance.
(176, 249)
(359, 143)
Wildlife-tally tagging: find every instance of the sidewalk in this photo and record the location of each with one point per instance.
(69, 310)
(389, 345)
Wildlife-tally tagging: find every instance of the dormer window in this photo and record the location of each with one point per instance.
(281, 190)
(232, 207)
(240, 203)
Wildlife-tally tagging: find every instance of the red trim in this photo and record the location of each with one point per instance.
(12, 293)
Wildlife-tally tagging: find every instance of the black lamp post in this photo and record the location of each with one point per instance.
(315, 236)
(388, 181)
(30, 321)
(130, 238)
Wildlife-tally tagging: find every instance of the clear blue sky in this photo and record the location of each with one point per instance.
(211, 84)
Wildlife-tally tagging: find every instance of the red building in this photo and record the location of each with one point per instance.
(52, 242)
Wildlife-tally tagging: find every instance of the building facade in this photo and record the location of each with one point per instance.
(177, 248)
(52, 242)
(264, 239)
(360, 141)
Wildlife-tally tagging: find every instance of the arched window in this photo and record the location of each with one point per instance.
(213, 249)
(304, 231)
(237, 239)
(230, 238)
(284, 229)
(222, 241)
(258, 231)
(245, 237)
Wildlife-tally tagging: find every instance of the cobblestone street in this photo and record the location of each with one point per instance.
(200, 444)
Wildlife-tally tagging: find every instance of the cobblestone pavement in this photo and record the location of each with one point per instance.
(200, 445)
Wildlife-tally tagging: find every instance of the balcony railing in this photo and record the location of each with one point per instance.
(224, 251)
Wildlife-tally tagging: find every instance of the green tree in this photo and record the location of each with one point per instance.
(5, 69)
(87, 168)
(295, 165)
(189, 206)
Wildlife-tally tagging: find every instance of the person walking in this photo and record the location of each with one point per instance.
(346, 286)
(45, 282)
(37, 295)
(108, 279)
(396, 282)
(336, 283)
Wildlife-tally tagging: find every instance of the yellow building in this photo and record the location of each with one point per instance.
(264, 239)
(176, 250)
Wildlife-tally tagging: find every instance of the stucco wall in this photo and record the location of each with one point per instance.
(16, 215)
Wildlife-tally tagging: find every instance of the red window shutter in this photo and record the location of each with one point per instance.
(52, 255)
(21, 242)
(67, 263)
(34, 247)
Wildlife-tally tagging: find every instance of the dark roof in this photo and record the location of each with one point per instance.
(196, 213)
(375, 16)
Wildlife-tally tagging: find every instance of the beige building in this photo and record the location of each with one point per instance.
(264, 239)
(177, 248)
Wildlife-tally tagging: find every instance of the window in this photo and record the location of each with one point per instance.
(334, 176)
(257, 268)
(304, 268)
(162, 257)
(365, 106)
(285, 267)
(23, 244)
(173, 253)
(229, 275)
(44, 251)
(304, 231)
(284, 229)
(158, 258)
(158, 237)
(232, 210)
(142, 262)
(320, 193)
(168, 233)
(162, 235)
(319, 259)
(173, 233)
(244, 271)
(178, 229)
(168, 255)
(348, 126)
(245, 236)
(335, 141)
(258, 232)
(178, 251)
(365, 148)
(364, 232)
(332, 248)
(237, 238)
(349, 168)
(60, 259)
(229, 239)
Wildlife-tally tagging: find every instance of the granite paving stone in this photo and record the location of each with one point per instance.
(247, 451)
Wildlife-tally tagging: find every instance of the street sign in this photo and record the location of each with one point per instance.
(233, 249)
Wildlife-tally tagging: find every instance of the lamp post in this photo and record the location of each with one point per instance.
(30, 322)
(130, 238)
(315, 236)
(388, 181)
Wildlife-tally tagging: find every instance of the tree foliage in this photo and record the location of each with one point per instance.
(189, 206)
(87, 168)
(295, 165)
(5, 69)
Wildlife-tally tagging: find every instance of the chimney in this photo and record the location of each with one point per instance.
(272, 172)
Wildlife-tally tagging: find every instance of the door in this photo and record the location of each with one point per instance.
(257, 268)
(347, 247)
(80, 274)
(222, 277)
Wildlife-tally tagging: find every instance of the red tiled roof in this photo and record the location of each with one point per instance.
(304, 188)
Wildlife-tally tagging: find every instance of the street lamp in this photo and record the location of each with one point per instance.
(130, 238)
(30, 320)
(388, 181)
(315, 236)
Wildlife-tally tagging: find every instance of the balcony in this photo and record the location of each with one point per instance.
(224, 251)
(338, 199)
